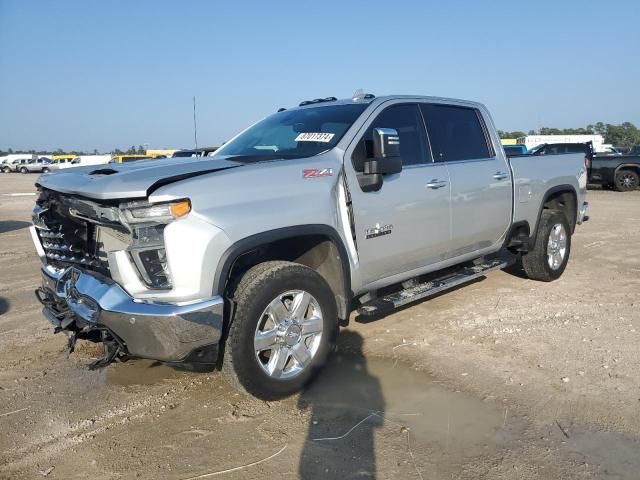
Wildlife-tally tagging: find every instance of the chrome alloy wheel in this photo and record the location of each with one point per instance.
(288, 334)
(556, 246)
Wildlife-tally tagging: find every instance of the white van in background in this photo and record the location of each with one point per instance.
(84, 160)
(79, 161)
(531, 141)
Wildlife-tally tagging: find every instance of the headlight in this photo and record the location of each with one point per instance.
(161, 213)
(147, 223)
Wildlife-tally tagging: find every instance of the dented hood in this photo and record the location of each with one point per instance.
(130, 180)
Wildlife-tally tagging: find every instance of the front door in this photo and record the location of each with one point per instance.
(406, 224)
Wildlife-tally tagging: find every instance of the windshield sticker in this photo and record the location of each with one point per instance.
(315, 137)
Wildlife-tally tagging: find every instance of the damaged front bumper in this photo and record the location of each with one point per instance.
(81, 301)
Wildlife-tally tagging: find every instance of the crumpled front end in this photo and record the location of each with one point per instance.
(87, 305)
(86, 292)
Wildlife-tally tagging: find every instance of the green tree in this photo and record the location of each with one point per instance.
(624, 135)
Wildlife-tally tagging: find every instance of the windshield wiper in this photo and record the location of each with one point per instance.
(259, 158)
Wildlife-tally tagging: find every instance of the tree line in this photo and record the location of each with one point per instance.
(116, 151)
(625, 135)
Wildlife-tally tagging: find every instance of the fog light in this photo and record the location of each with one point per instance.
(152, 265)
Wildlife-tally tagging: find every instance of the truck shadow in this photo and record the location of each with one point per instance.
(517, 270)
(11, 225)
(347, 406)
(4, 305)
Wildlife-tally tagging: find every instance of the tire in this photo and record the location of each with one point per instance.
(626, 180)
(45, 170)
(548, 258)
(24, 170)
(267, 292)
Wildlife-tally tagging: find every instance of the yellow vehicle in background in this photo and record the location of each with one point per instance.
(131, 157)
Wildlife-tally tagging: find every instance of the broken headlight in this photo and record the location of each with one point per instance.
(147, 223)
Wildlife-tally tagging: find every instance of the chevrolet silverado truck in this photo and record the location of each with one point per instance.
(251, 260)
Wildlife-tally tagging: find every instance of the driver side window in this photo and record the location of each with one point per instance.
(407, 121)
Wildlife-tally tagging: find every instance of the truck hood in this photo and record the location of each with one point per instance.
(131, 180)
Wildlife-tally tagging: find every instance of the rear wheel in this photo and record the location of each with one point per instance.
(24, 170)
(283, 329)
(626, 180)
(548, 258)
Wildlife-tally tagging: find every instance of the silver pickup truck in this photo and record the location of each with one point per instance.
(251, 259)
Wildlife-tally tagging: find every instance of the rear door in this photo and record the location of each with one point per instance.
(406, 224)
(481, 184)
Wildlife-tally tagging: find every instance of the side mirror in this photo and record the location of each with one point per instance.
(385, 161)
(386, 153)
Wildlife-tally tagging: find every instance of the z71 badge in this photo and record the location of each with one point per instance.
(378, 231)
(317, 172)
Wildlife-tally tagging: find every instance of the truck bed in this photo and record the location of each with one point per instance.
(536, 176)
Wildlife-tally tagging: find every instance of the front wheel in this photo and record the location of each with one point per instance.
(626, 180)
(550, 254)
(283, 329)
(45, 170)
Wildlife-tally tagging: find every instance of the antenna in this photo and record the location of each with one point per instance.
(195, 124)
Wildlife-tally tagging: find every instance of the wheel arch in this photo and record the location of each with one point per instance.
(316, 246)
(563, 198)
(627, 166)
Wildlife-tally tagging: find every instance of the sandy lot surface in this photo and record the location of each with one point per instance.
(505, 378)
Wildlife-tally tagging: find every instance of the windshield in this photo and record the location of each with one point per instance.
(293, 134)
(536, 149)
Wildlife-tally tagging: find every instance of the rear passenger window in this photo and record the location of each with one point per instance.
(455, 133)
(406, 120)
(577, 148)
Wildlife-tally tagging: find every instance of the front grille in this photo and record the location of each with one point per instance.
(61, 250)
(67, 235)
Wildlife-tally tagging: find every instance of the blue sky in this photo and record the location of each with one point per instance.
(84, 74)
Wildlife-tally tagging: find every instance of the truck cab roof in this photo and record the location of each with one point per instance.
(370, 99)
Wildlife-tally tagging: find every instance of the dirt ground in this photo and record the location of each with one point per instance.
(505, 378)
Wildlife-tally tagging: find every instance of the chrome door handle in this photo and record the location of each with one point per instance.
(435, 184)
(500, 176)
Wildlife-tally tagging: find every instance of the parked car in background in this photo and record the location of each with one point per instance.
(16, 165)
(555, 148)
(254, 257)
(609, 150)
(518, 149)
(3, 161)
(60, 163)
(621, 172)
(40, 165)
(11, 161)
